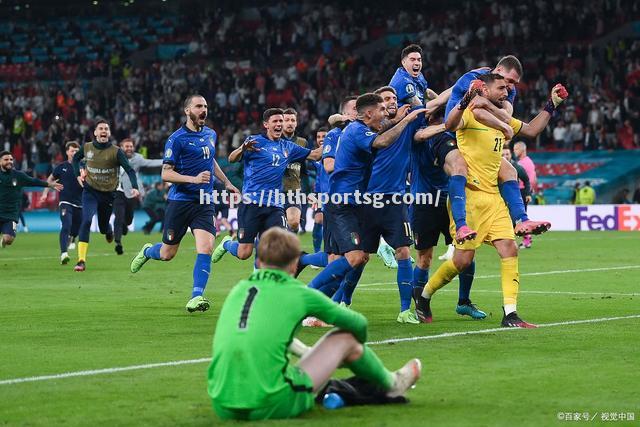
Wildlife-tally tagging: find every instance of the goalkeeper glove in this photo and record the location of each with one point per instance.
(475, 88)
(558, 95)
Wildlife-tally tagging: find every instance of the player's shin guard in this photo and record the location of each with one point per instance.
(153, 252)
(458, 199)
(317, 237)
(466, 280)
(510, 192)
(232, 247)
(510, 283)
(83, 248)
(334, 272)
(319, 259)
(201, 271)
(404, 277)
(443, 275)
(370, 367)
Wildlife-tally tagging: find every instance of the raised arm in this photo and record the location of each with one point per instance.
(387, 138)
(539, 122)
(428, 132)
(248, 145)
(439, 101)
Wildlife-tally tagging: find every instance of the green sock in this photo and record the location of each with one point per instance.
(370, 367)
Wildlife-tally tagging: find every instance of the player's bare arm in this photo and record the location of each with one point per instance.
(170, 175)
(328, 164)
(439, 101)
(390, 136)
(500, 113)
(488, 119)
(248, 145)
(389, 123)
(428, 132)
(315, 154)
(219, 173)
(540, 122)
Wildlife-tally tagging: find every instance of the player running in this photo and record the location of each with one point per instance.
(291, 179)
(70, 205)
(481, 147)
(429, 220)
(250, 376)
(11, 184)
(125, 203)
(103, 161)
(189, 159)
(266, 158)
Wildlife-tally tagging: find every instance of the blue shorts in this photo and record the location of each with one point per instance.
(182, 214)
(390, 221)
(254, 219)
(342, 228)
(8, 227)
(428, 223)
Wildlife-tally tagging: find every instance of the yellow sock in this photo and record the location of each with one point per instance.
(443, 275)
(83, 247)
(510, 280)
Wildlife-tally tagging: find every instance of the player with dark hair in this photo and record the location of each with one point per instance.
(103, 161)
(344, 221)
(70, 205)
(11, 184)
(189, 160)
(266, 158)
(262, 383)
(291, 180)
(320, 188)
(481, 146)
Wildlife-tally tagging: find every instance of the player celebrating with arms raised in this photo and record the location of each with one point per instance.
(189, 159)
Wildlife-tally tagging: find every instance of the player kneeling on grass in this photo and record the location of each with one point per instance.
(251, 377)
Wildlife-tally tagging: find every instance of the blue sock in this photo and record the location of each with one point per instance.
(201, 271)
(420, 277)
(153, 252)
(510, 192)
(458, 199)
(466, 280)
(232, 247)
(337, 296)
(332, 275)
(319, 259)
(317, 237)
(404, 283)
(350, 282)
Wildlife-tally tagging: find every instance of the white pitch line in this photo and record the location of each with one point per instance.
(388, 341)
(537, 273)
(617, 294)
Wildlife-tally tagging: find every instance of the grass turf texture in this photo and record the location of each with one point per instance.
(55, 321)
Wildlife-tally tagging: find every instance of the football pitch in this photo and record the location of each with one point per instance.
(129, 354)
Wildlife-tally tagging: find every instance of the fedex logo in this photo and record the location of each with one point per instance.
(622, 218)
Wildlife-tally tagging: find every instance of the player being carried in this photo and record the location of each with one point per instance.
(481, 147)
(189, 160)
(250, 376)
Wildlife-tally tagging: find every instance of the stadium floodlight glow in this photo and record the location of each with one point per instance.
(95, 2)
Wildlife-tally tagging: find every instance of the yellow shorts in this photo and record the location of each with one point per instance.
(488, 215)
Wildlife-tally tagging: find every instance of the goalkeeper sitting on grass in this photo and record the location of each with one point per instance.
(251, 377)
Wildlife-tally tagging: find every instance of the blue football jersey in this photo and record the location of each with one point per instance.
(462, 86)
(407, 86)
(72, 191)
(426, 175)
(322, 178)
(354, 155)
(264, 169)
(391, 164)
(331, 143)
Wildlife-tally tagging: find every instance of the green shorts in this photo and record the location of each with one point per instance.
(287, 403)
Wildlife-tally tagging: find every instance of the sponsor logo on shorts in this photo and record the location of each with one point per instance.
(355, 238)
(170, 234)
(240, 233)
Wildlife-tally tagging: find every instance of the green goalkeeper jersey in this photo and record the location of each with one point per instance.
(258, 321)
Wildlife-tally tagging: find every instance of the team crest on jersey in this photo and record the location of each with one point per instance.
(170, 234)
(327, 148)
(90, 155)
(409, 88)
(240, 233)
(369, 133)
(355, 238)
(201, 139)
(168, 153)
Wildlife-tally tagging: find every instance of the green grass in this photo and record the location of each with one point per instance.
(54, 321)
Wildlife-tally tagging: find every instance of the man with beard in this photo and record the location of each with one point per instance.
(11, 184)
(189, 159)
(124, 203)
(291, 180)
(103, 162)
(266, 158)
